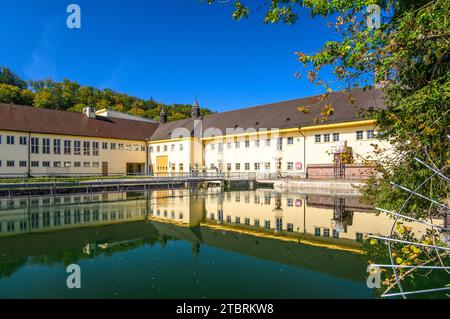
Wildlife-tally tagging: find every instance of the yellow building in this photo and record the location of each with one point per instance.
(302, 137)
(39, 142)
(298, 137)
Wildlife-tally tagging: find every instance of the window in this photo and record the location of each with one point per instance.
(158, 149)
(181, 167)
(67, 147)
(228, 219)
(121, 147)
(317, 138)
(290, 166)
(280, 143)
(237, 220)
(267, 166)
(257, 143)
(267, 224)
(317, 231)
(67, 164)
(257, 166)
(247, 221)
(213, 147)
(113, 146)
(0, 139)
(247, 166)
(77, 148)
(238, 144)
(256, 222)
(290, 202)
(96, 164)
(87, 164)
(23, 164)
(143, 148)
(359, 237)
(172, 147)
(335, 137)
(228, 167)
(56, 164)
(370, 134)
(268, 142)
(359, 135)
(181, 147)
(326, 232)
(238, 166)
(247, 144)
(95, 147)
(23, 140)
(212, 167)
(151, 149)
(229, 145)
(77, 164)
(57, 146)
(326, 137)
(34, 145)
(45, 146)
(335, 233)
(279, 224)
(34, 164)
(10, 163)
(45, 164)
(290, 140)
(86, 148)
(10, 140)
(290, 227)
(104, 145)
(165, 148)
(136, 147)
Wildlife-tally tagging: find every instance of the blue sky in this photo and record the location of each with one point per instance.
(168, 50)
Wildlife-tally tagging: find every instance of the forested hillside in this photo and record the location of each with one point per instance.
(71, 96)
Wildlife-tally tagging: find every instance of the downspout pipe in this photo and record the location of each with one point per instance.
(304, 150)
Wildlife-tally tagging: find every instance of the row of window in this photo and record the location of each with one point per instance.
(51, 164)
(69, 147)
(11, 140)
(256, 166)
(67, 217)
(257, 143)
(318, 138)
(165, 148)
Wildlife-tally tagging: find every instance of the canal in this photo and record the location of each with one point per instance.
(186, 244)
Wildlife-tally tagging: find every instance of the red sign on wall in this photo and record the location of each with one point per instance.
(298, 166)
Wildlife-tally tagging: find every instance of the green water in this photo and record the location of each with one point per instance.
(163, 245)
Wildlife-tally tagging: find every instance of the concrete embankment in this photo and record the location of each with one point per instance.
(327, 187)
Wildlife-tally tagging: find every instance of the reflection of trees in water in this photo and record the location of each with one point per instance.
(8, 268)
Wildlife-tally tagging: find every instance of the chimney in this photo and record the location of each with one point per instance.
(89, 112)
(163, 116)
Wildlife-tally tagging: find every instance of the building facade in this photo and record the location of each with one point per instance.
(303, 137)
(38, 142)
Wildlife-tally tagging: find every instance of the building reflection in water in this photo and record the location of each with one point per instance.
(69, 228)
(261, 210)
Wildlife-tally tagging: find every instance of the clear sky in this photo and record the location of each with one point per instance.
(165, 49)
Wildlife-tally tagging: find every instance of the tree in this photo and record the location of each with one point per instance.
(71, 96)
(8, 77)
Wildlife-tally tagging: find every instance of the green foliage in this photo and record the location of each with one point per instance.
(71, 96)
